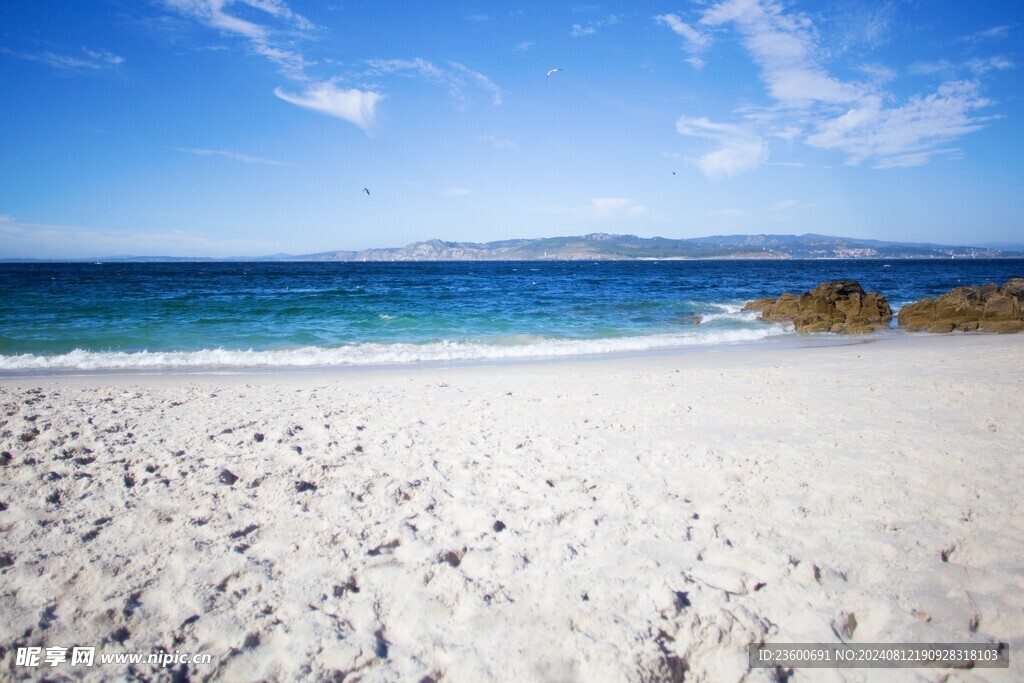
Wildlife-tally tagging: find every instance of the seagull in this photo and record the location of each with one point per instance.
(366, 191)
(553, 71)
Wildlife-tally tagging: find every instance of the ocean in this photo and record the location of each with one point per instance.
(244, 316)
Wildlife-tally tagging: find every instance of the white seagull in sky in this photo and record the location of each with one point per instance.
(553, 71)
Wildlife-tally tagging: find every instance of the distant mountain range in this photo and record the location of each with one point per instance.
(602, 246)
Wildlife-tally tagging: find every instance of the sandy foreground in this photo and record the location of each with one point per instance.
(621, 519)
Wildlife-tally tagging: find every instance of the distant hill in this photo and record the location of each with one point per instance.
(603, 246)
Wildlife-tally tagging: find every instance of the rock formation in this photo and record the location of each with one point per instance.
(841, 306)
(988, 308)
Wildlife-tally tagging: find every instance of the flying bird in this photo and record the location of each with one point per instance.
(553, 71)
(366, 191)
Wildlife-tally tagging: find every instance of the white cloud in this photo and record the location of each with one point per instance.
(211, 12)
(783, 47)
(103, 57)
(735, 157)
(879, 73)
(263, 40)
(857, 118)
(940, 66)
(739, 150)
(789, 133)
(418, 65)
(481, 81)
(914, 158)
(276, 40)
(278, 8)
(592, 27)
(857, 24)
(457, 78)
(994, 33)
(901, 136)
(352, 105)
(983, 66)
(237, 156)
(88, 60)
(609, 207)
(694, 42)
(498, 143)
(525, 46)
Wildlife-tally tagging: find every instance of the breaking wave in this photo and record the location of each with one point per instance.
(369, 354)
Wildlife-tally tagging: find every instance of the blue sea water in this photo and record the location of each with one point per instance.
(165, 316)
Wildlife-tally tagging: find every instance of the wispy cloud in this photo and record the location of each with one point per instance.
(482, 81)
(498, 143)
(265, 40)
(612, 207)
(782, 45)
(213, 12)
(695, 43)
(352, 105)
(236, 156)
(976, 66)
(860, 25)
(592, 27)
(857, 118)
(278, 41)
(878, 73)
(986, 35)
(84, 61)
(983, 66)
(903, 136)
(738, 149)
(457, 78)
(525, 46)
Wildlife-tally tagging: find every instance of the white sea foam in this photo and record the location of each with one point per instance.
(732, 312)
(521, 347)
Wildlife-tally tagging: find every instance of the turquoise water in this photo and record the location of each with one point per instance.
(241, 315)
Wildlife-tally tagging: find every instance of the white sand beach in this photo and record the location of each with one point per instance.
(616, 519)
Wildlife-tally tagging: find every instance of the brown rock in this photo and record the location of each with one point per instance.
(1014, 287)
(988, 308)
(841, 307)
(1002, 326)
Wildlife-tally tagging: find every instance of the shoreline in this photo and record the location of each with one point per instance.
(616, 519)
(774, 342)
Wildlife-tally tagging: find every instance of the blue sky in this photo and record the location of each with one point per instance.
(251, 127)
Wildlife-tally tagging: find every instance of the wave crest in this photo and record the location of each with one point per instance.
(523, 347)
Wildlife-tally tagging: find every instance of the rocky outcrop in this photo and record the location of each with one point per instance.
(842, 307)
(987, 308)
